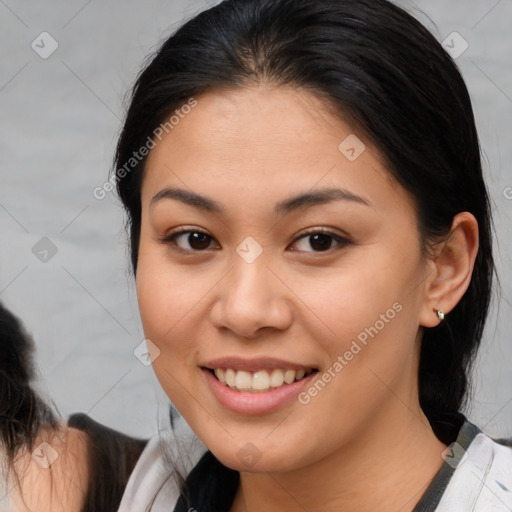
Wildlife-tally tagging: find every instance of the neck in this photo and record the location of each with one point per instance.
(388, 466)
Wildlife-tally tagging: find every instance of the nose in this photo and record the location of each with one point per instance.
(252, 298)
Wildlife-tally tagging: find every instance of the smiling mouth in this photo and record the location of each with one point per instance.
(260, 381)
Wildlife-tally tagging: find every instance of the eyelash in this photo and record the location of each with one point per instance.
(170, 239)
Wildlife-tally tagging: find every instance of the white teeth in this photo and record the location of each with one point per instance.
(276, 378)
(230, 377)
(219, 373)
(258, 381)
(243, 380)
(289, 376)
(261, 380)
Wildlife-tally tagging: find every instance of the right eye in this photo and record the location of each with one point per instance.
(196, 240)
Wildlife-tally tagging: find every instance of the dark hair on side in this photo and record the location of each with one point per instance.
(385, 73)
(23, 413)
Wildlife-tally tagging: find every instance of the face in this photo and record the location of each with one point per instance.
(296, 277)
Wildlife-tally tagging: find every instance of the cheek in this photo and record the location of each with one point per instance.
(358, 298)
(169, 304)
(168, 299)
(365, 316)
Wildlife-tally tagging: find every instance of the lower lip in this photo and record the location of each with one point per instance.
(263, 402)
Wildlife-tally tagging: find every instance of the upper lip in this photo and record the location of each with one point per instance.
(254, 364)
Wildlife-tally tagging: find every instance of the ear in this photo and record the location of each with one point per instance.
(451, 265)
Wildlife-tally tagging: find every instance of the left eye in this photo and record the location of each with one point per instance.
(320, 241)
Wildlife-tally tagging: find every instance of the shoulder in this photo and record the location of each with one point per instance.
(111, 457)
(482, 480)
(165, 463)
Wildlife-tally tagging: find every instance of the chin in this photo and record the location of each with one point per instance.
(259, 455)
(250, 458)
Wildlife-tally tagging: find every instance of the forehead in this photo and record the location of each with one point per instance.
(264, 142)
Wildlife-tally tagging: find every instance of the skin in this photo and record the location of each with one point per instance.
(248, 149)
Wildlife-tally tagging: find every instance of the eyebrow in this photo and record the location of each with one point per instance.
(286, 206)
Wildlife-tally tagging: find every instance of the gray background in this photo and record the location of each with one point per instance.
(59, 120)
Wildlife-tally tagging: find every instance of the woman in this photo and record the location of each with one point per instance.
(311, 241)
